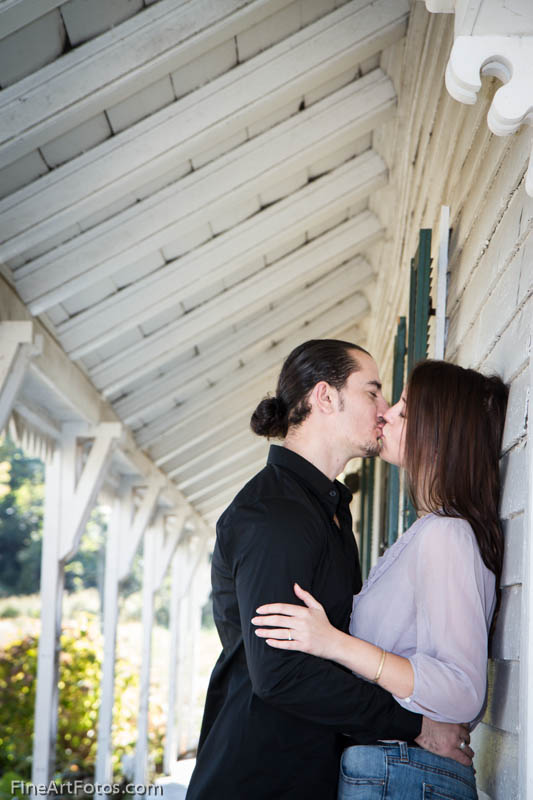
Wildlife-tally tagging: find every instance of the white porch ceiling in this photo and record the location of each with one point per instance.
(185, 197)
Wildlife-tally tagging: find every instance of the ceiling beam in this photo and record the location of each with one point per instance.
(210, 496)
(238, 346)
(212, 114)
(324, 326)
(68, 383)
(235, 179)
(230, 253)
(107, 69)
(305, 265)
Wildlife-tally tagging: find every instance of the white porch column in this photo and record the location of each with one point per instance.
(177, 637)
(18, 345)
(70, 492)
(181, 671)
(199, 591)
(158, 551)
(125, 531)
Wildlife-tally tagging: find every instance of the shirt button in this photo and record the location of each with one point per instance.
(407, 700)
(333, 493)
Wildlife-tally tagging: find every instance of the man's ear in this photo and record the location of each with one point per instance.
(324, 398)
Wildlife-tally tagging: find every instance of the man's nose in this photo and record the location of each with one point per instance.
(382, 408)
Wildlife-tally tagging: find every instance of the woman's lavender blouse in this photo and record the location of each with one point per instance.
(430, 598)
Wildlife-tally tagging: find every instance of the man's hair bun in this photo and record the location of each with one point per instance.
(270, 418)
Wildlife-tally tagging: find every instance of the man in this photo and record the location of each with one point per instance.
(274, 720)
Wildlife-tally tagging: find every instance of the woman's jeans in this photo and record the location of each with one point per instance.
(399, 772)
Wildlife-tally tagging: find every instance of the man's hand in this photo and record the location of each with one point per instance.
(445, 738)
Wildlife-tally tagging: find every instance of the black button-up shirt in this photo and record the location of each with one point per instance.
(273, 718)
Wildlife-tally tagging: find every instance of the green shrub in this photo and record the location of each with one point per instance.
(79, 698)
(9, 612)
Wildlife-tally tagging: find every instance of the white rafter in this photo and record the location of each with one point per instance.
(306, 264)
(213, 364)
(224, 107)
(231, 388)
(229, 253)
(239, 177)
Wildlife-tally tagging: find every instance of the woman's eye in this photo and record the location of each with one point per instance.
(402, 414)
(374, 395)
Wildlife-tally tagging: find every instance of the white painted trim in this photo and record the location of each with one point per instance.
(52, 578)
(229, 253)
(107, 69)
(440, 6)
(78, 496)
(19, 344)
(151, 542)
(214, 363)
(325, 325)
(178, 570)
(225, 107)
(508, 58)
(239, 177)
(67, 382)
(442, 282)
(525, 778)
(15, 14)
(119, 523)
(132, 534)
(252, 294)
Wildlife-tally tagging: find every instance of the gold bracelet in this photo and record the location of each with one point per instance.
(380, 668)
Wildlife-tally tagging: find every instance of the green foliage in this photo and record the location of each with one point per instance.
(79, 700)
(21, 520)
(21, 512)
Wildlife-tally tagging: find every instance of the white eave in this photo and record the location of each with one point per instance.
(185, 199)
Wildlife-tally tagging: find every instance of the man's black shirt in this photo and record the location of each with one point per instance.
(273, 719)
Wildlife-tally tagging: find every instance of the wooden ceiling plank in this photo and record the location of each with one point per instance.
(306, 264)
(118, 63)
(235, 464)
(289, 312)
(226, 106)
(15, 14)
(212, 454)
(72, 387)
(229, 253)
(229, 484)
(194, 486)
(325, 325)
(240, 175)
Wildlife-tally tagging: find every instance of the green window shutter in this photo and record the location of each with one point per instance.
(367, 513)
(418, 337)
(419, 301)
(393, 484)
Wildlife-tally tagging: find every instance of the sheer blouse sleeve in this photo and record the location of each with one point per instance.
(452, 590)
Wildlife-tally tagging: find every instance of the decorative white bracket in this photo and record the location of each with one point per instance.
(493, 37)
(78, 495)
(131, 537)
(508, 58)
(18, 345)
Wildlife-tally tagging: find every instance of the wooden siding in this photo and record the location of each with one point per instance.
(443, 154)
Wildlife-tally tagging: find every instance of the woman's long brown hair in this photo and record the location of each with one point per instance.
(454, 430)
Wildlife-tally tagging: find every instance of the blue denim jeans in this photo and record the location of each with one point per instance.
(399, 772)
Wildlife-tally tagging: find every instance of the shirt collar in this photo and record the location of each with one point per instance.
(329, 492)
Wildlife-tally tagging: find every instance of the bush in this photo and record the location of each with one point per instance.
(9, 612)
(79, 699)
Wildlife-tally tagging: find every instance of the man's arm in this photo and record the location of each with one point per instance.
(268, 546)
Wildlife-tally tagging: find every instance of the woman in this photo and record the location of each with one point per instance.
(421, 622)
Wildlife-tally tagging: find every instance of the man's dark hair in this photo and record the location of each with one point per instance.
(329, 360)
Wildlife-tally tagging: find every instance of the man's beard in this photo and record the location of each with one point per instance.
(372, 449)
